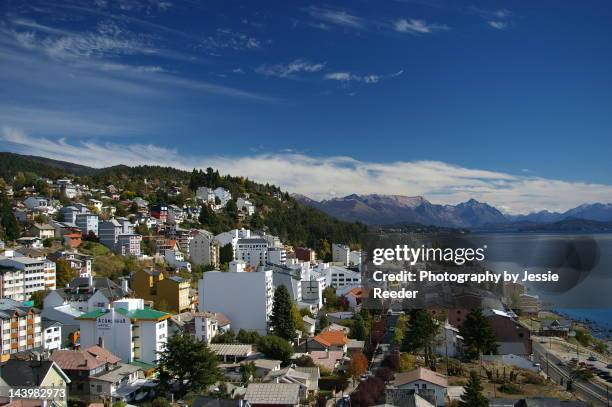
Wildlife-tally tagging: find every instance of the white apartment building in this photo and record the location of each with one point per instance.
(337, 276)
(209, 324)
(204, 249)
(128, 329)
(176, 259)
(87, 222)
(223, 195)
(244, 297)
(231, 237)
(277, 255)
(245, 206)
(253, 251)
(354, 258)
(21, 276)
(206, 195)
(341, 253)
(51, 334)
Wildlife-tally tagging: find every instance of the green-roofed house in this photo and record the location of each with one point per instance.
(128, 329)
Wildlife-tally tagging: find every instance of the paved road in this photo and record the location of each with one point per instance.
(585, 390)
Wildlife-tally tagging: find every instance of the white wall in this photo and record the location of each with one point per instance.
(245, 298)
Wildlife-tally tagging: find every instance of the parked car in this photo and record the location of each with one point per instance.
(592, 359)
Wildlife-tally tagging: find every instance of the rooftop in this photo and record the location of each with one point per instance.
(230, 349)
(420, 374)
(86, 359)
(332, 338)
(273, 393)
(138, 314)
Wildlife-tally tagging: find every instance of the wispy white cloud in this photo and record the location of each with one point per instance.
(415, 26)
(336, 17)
(498, 19)
(225, 38)
(291, 69)
(324, 177)
(96, 56)
(500, 25)
(351, 77)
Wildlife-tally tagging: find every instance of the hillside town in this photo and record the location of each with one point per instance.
(198, 290)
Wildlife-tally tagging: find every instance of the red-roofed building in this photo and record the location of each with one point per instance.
(79, 365)
(326, 341)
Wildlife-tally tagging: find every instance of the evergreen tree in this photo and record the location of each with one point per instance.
(226, 253)
(188, 362)
(281, 320)
(422, 328)
(478, 336)
(472, 396)
(358, 331)
(9, 223)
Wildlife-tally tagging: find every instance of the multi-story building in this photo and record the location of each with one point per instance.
(21, 276)
(175, 214)
(223, 195)
(245, 205)
(167, 292)
(85, 294)
(118, 235)
(277, 255)
(37, 203)
(81, 263)
(97, 375)
(338, 277)
(209, 324)
(128, 244)
(244, 297)
(206, 195)
(128, 329)
(51, 334)
(42, 231)
(160, 212)
(176, 259)
(21, 328)
(341, 253)
(253, 251)
(204, 249)
(108, 232)
(231, 237)
(87, 223)
(305, 254)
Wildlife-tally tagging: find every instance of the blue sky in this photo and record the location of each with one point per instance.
(516, 94)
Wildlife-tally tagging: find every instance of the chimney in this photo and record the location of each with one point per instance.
(124, 285)
(100, 342)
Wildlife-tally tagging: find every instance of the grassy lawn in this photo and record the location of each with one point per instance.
(94, 249)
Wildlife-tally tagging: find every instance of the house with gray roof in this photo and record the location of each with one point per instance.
(277, 394)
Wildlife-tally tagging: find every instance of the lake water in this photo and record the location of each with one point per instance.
(583, 262)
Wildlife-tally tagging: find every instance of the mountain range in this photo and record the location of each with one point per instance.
(375, 209)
